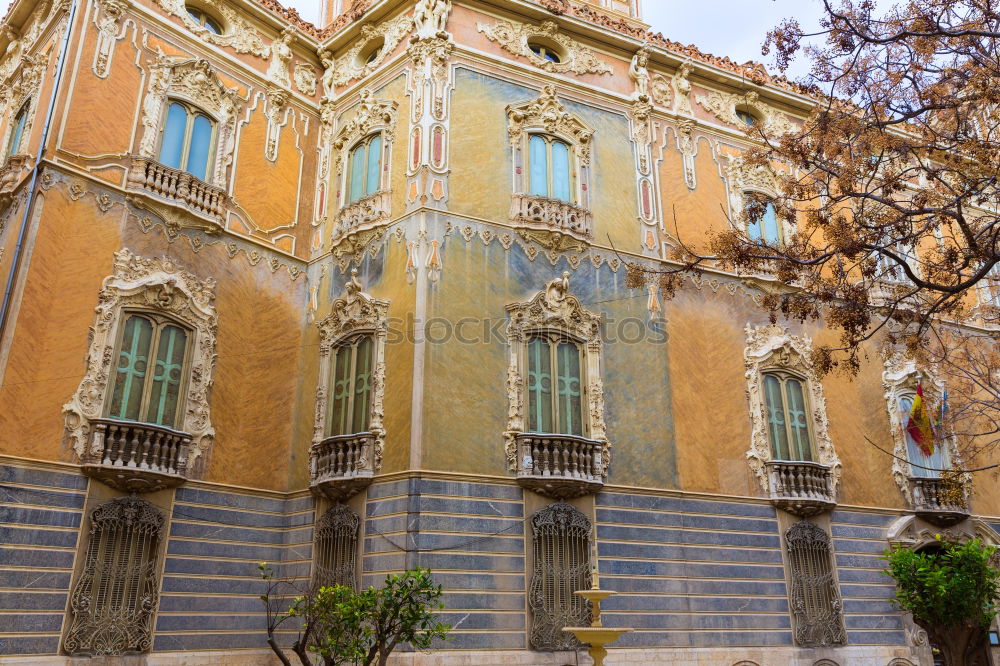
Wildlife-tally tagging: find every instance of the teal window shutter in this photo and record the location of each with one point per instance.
(539, 385)
(362, 384)
(201, 146)
(374, 164)
(14, 143)
(351, 389)
(797, 423)
(560, 171)
(539, 165)
(130, 375)
(174, 133)
(357, 182)
(341, 392)
(569, 389)
(776, 417)
(167, 377)
(772, 233)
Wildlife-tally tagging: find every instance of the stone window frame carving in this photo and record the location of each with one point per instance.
(515, 37)
(337, 533)
(354, 314)
(900, 376)
(160, 286)
(194, 81)
(237, 33)
(559, 521)
(772, 347)
(813, 627)
(350, 66)
(726, 107)
(22, 93)
(555, 310)
(127, 630)
(742, 178)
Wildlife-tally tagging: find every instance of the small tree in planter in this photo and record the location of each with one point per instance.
(951, 593)
(341, 626)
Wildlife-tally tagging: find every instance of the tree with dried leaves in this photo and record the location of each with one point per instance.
(889, 193)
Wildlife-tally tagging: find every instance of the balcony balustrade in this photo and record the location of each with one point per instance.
(177, 187)
(802, 488)
(939, 502)
(553, 223)
(136, 457)
(341, 466)
(559, 466)
(359, 222)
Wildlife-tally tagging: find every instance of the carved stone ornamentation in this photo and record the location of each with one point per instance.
(281, 58)
(725, 105)
(638, 71)
(688, 147)
(195, 81)
(682, 91)
(547, 114)
(814, 597)
(430, 19)
(107, 34)
(341, 466)
(354, 64)
(305, 79)
(774, 348)
(22, 93)
(154, 285)
(12, 173)
(276, 101)
(554, 309)
(237, 33)
(515, 38)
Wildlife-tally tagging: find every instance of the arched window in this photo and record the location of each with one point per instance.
(918, 459)
(787, 417)
(545, 52)
(351, 386)
(747, 117)
(550, 168)
(555, 385)
(116, 595)
(201, 18)
(815, 601)
(150, 373)
(186, 141)
(337, 547)
(17, 131)
(561, 551)
(762, 219)
(365, 173)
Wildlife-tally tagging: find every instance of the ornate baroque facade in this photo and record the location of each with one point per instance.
(350, 299)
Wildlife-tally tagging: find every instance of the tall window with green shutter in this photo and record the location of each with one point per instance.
(364, 176)
(555, 385)
(787, 417)
(149, 375)
(351, 386)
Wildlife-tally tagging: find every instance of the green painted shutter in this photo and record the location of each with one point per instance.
(569, 389)
(130, 375)
(776, 417)
(539, 386)
(362, 385)
(374, 164)
(341, 392)
(358, 168)
(167, 376)
(801, 448)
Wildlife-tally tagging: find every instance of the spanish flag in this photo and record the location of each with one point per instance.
(919, 425)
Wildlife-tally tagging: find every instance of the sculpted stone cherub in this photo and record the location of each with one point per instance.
(430, 18)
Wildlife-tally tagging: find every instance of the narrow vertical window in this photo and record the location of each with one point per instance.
(560, 171)
(561, 552)
(787, 417)
(919, 461)
(149, 389)
(116, 595)
(17, 131)
(539, 166)
(815, 600)
(186, 140)
(374, 165)
(337, 547)
(365, 162)
(550, 168)
(762, 219)
(554, 407)
(351, 386)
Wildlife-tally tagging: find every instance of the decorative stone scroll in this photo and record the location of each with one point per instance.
(515, 38)
(237, 33)
(156, 285)
(354, 64)
(773, 347)
(554, 309)
(356, 312)
(276, 101)
(725, 105)
(197, 82)
(111, 12)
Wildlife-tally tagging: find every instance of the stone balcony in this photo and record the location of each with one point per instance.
(802, 488)
(178, 188)
(937, 501)
(341, 466)
(554, 224)
(559, 466)
(359, 222)
(11, 174)
(136, 457)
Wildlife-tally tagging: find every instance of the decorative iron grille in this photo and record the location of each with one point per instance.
(117, 593)
(336, 547)
(815, 601)
(561, 547)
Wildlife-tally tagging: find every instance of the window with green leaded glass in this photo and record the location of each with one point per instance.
(351, 386)
(365, 168)
(788, 427)
(16, 131)
(149, 375)
(555, 385)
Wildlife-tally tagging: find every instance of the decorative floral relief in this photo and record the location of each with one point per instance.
(153, 284)
(515, 37)
(305, 79)
(772, 347)
(352, 65)
(238, 33)
(724, 106)
(548, 114)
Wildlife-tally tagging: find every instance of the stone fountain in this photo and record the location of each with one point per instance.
(597, 635)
